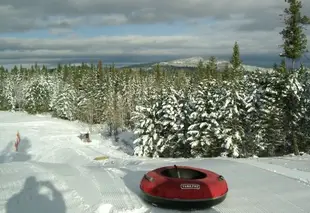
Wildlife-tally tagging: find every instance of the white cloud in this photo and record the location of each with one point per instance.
(34, 14)
(254, 24)
(211, 40)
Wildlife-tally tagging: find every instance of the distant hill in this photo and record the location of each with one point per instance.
(189, 63)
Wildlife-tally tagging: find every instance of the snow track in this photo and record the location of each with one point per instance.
(13, 183)
(53, 160)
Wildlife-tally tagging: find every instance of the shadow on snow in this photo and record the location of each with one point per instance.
(8, 154)
(29, 199)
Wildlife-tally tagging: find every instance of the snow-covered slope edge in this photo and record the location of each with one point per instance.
(192, 62)
(282, 167)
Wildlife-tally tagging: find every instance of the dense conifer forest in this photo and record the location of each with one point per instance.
(189, 113)
(174, 113)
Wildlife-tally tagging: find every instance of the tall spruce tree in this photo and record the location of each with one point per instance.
(294, 39)
(236, 62)
(235, 59)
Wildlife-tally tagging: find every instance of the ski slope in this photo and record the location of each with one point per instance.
(54, 172)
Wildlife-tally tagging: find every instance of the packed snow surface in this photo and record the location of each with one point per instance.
(54, 172)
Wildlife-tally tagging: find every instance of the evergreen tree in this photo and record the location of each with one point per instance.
(271, 140)
(149, 130)
(292, 107)
(236, 62)
(37, 98)
(65, 104)
(205, 131)
(176, 121)
(227, 74)
(211, 67)
(4, 101)
(162, 128)
(251, 120)
(231, 111)
(235, 59)
(295, 40)
(303, 136)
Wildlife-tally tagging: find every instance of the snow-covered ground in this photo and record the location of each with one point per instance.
(54, 172)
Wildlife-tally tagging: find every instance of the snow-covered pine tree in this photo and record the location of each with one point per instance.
(148, 130)
(113, 106)
(133, 95)
(232, 100)
(37, 97)
(17, 89)
(162, 127)
(252, 119)
(292, 108)
(55, 87)
(9, 95)
(204, 131)
(98, 95)
(86, 97)
(53, 84)
(303, 137)
(211, 68)
(65, 104)
(271, 138)
(175, 122)
(4, 101)
(180, 80)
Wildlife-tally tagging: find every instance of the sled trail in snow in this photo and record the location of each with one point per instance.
(52, 158)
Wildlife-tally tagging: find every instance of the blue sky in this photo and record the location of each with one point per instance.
(129, 31)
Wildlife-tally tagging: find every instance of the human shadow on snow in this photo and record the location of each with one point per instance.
(29, 199)
(8, 154)
(132, 181)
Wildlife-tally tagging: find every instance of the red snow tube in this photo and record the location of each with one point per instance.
(184, 187)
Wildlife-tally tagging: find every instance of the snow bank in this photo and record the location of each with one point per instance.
(301, 176)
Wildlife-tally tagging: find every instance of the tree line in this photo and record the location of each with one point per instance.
(181, 113)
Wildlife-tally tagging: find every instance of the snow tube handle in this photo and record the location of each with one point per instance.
(149, 178)
(220, 178)
(178, 172)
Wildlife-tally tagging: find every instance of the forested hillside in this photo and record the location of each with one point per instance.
(199, 113)
(203, 112)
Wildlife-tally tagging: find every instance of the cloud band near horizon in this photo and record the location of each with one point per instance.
(56, 30)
